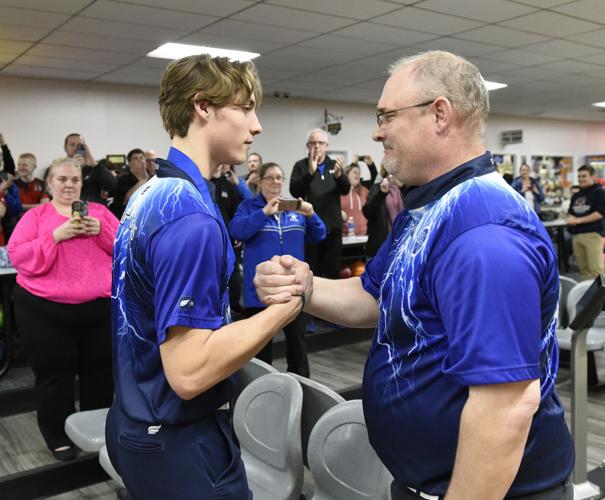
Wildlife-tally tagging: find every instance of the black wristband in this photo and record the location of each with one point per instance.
(303, 299)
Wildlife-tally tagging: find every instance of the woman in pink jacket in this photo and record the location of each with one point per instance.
(62, 302)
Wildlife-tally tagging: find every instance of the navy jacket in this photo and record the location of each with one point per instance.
(265, 236)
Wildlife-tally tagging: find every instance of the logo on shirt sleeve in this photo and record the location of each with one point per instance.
(186, 303)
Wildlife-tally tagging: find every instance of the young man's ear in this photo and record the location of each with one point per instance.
(200, 106)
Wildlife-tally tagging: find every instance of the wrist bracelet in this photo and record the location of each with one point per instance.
(303, 299)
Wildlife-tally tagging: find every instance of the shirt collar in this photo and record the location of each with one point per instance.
(185, 165)
(418, 196)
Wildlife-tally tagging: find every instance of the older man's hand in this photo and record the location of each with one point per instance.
(281, 278)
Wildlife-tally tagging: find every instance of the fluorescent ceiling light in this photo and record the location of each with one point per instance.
(178, 50)
(599, 104)
(494, 85)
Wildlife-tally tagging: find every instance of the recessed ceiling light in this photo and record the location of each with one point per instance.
(494, 85)
(178, 50)
(599, 104)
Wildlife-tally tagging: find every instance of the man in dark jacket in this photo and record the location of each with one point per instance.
(319, 180)
(586, 211)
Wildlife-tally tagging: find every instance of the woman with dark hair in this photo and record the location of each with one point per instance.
(267, 227)
(62, 301)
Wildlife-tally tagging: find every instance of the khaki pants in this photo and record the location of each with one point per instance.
(588, 249)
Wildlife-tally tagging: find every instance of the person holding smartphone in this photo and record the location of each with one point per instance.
(98, 182)
(270, 225)
(62, 252)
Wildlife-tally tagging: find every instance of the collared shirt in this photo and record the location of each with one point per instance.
(172, 262)
(467, 285)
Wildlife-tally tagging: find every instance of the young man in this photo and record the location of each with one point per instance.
(31, 189)
(586, 211)
(127, 184)
(175, 350)
(459, 386)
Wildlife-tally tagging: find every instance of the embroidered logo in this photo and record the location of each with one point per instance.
(186, 303)
(153, 429)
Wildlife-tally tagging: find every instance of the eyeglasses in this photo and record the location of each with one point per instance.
(316, 143)
(270, 178)
(379, 116)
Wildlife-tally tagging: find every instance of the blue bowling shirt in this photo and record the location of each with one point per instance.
(172, 262)
(467, 287)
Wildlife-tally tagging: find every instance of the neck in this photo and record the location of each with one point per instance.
(62, 209)
(26, 178)
(454, 157)
(198, 152)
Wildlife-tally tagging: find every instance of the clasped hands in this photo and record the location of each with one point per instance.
(281, 278)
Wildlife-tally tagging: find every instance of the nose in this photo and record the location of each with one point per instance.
(377, 135)
(256, 128)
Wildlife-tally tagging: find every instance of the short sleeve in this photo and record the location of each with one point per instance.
(187, 258)
(488, 288)
(374, 269)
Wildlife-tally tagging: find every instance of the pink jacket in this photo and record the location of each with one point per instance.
(72, 271)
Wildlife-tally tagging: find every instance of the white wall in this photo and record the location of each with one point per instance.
(37, 114)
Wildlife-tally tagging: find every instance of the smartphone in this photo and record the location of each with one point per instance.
(79, 208)
(288, 204)
(228, 173)
(81, 150)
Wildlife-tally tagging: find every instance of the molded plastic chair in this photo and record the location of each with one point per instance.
(565, 286)
(87, 429)
(317, 399)
(266, 420)
(108, 467)
(252, 370)
(343, 464)
(595, 340)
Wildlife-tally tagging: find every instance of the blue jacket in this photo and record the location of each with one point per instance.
(265, 236)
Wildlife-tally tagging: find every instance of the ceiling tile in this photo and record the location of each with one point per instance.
(296, 84)
(69, 64)
(14, 47)
(87, 26)
(547, 23)
(317, 58)
(288, 63)
(530, 73)
(490, 11)
(569, 66)
(346, 44)
(6, 58)
(34, 18)
(262, 32)
(563, 49)
(108, 43)
(582, 81)
(464, 48)
(592, 10)
(42, 72)
(148, 16)
(61, 6)
(499, 35)
(276, 74)
(385, 34)
(596, 59)
(543, 4)
(521, 56)
(154, 63)
(218, 9)
(292, 18)
(591, 38)
(79, 54)
(486, 66)
(24, 33)
(422, 20)
(358, 9)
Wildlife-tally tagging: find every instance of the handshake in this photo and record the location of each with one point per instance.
(281, 278)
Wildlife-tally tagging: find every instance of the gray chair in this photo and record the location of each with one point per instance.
(595, 340)
(87, 429)
(266, 419)
(108, 467)
(252, 370)
(317, 399)
(565, 286)
(343, 464)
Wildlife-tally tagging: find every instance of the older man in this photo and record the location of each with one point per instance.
(319, 180)
(458, 389)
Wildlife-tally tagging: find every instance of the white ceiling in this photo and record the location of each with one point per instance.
(550, 52)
